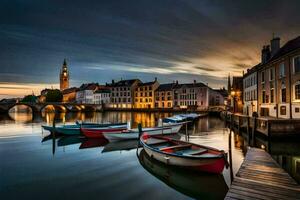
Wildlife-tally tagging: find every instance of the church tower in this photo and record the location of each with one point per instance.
(64, 76)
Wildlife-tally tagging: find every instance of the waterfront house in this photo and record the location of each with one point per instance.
(235, 97)
(144, 94)
(102, 96)
(69, 95)
(164, 96)
(279, 80)
(217, 97)
(191, 95)
(85, 94)
(122, 93)
(250, 91)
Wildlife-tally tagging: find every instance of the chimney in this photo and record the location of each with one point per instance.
(176, 82)
(155, 79)
(265, 54)
(275, 45)
(194, 81)
(113, 81)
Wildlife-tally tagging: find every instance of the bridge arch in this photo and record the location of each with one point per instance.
(53, 108)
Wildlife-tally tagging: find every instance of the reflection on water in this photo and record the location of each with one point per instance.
(194, 184)
(39, 163)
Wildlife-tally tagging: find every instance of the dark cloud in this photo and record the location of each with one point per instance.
(186, 39)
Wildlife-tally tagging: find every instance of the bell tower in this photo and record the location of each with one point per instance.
(64, 76)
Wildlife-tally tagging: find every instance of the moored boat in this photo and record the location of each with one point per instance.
(134, 133)
(183, 154)
(98, 132)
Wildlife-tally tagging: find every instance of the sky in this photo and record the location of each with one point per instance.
(183, 40)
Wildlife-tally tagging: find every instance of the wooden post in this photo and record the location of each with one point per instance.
(248, 128)
(253, 132)
(239, 124)
(140, 129)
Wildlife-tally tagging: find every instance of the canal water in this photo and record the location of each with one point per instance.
(33, 165)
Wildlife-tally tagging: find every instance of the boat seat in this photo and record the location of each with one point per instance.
(207, 155)
(190, 152)
(181, 146)
(154, 141)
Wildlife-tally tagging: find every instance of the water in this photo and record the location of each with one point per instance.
(33, 166)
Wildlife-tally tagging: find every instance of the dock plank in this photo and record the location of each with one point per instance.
(260, 177)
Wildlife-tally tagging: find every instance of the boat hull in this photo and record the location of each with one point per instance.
(212, 165)
(134, 134)
(98, 133)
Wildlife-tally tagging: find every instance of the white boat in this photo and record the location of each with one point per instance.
(134, 133)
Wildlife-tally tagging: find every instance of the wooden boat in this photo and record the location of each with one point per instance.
(134, 133)
(99, 125)
(184, 154)
(189, 182)
(74, 129)
(98, 132)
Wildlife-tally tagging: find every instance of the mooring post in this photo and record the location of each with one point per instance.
(253, 131)
(140, 129)
(248, 126)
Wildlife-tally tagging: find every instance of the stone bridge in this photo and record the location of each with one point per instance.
(56, 106)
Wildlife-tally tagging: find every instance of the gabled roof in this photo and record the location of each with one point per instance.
(89, 86)
(147, 83)
(190, 85)
(124, 83)
(103, 90)
(287, 48)
(165, 87)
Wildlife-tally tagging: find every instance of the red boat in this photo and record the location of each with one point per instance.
(98, 132)
(184, 154)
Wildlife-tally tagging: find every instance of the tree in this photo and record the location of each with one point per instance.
(29, 99)
(54, 96)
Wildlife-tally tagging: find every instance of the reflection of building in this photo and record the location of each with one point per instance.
(85, 94)
(102, 96)
(191, 95)
(144, 94)
(64, 77)
(69, 95)
(250, 91)
(122, 93)
(164, 96)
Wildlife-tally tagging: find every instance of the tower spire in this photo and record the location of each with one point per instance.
(229, 84)
(64, 76)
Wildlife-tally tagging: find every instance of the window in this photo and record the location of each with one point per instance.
(282, 110)
(264, 96)
(283, 95)
(271, 74)
(281, 70)
(297, 90)
(297, 110)
(297, 64)
(272, 95)
(262, 77)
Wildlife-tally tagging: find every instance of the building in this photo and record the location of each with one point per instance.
(250, 91)
(164, 96)
(235, 97)
(191, 95)
(69, 95)
(102, 96)
(217, 97)
(85, 94)
(64, 76)
(122, 93)
(144, 94)
(279, 80)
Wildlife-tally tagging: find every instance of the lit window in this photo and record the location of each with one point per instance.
(297, 90)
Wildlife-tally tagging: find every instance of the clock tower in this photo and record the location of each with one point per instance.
(64, 76)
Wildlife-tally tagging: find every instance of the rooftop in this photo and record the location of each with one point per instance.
(122, 83)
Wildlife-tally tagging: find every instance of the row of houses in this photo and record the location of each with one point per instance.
(134, 93)
(272, 87)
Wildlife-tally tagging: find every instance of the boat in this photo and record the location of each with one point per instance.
(174, 119)
(189, 182)
(74, 129)
(98, 132)
(134, 133)
(99, 125)
(184, 154)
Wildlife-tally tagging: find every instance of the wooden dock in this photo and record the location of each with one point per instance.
(260, 177)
